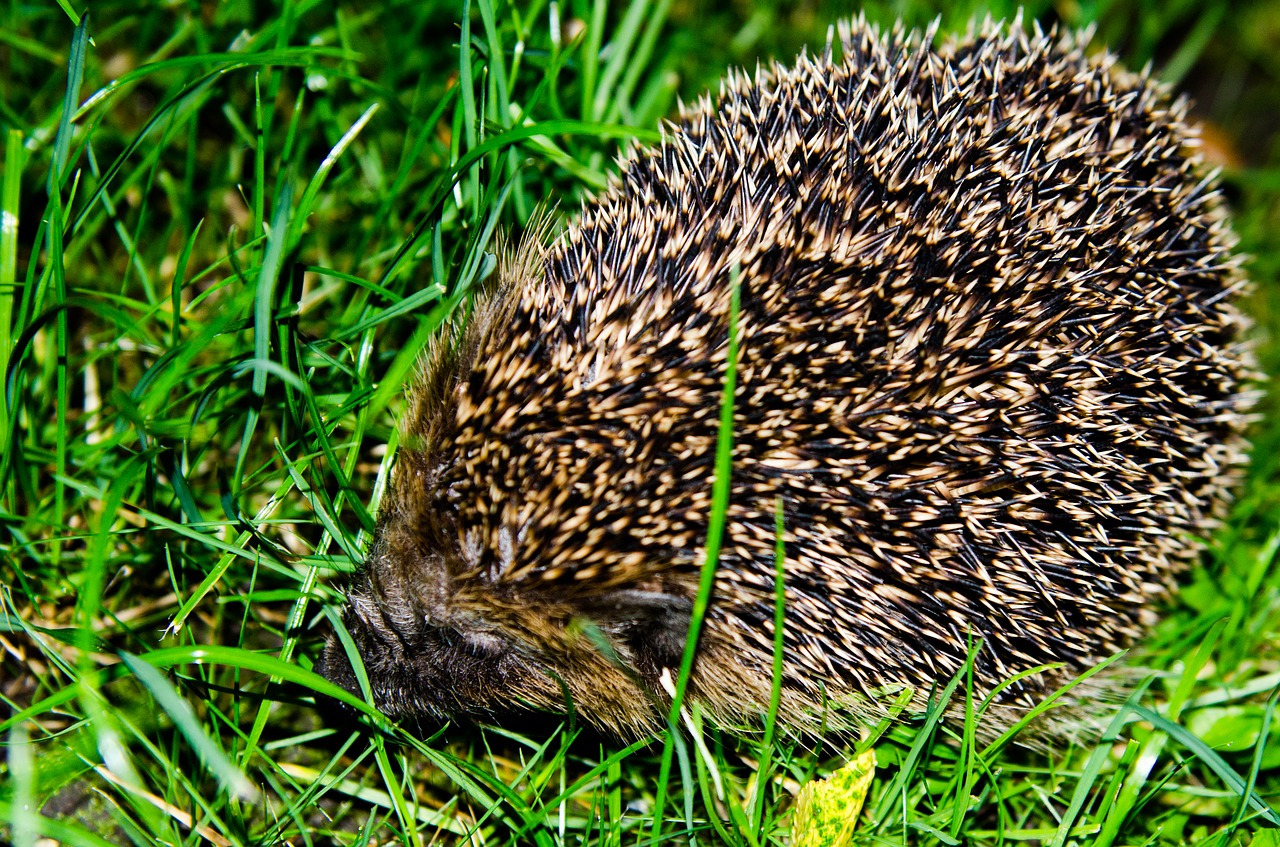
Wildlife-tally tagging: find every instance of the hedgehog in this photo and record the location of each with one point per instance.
(988, 373)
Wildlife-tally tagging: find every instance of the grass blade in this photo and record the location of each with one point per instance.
(184, 718)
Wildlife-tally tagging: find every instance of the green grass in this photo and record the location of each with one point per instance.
(230, 229)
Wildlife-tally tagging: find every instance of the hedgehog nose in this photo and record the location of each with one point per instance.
(334, 666)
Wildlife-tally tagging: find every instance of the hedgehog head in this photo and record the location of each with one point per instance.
(444, 628)
(435, 649)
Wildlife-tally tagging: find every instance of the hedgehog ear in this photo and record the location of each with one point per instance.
(652, 625)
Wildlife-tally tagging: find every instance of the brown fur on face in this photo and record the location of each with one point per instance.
(988, 366)
(433, 654)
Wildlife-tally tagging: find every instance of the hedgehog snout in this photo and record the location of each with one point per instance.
(382, 650)
(423, 668)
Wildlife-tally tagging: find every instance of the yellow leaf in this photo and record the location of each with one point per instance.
(827, 809)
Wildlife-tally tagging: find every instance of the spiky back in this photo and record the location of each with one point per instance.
(987, 365)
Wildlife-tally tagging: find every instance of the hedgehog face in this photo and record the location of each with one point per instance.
(426, 661)
(435, 652)
(434, 674)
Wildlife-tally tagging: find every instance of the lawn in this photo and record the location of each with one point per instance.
(229, 232)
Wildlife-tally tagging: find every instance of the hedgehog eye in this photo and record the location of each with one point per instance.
(653, 625)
